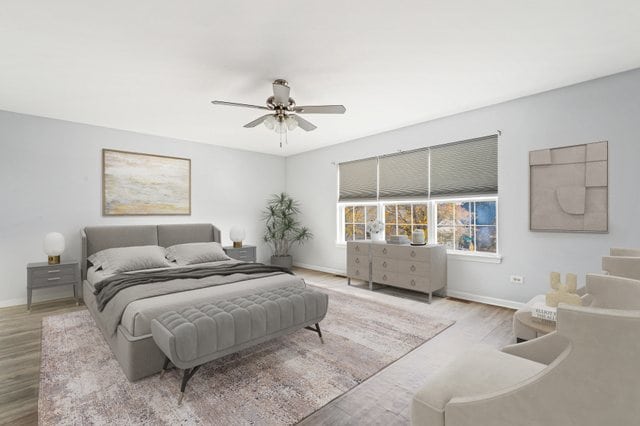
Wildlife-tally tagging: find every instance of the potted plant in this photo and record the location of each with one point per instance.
(283, 229)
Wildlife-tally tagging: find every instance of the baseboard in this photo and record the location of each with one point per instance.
(12, 302)
(457, 294)
(485, 299)
(320, 268)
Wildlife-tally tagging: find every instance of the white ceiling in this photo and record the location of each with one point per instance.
(152, 66)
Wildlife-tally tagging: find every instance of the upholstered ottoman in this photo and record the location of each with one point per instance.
(198, 334)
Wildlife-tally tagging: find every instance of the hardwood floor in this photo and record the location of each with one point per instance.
(383, 399)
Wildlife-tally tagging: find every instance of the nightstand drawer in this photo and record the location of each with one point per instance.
(54, 271)
(53, 280)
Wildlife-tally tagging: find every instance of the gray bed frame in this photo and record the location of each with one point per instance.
(139, 356)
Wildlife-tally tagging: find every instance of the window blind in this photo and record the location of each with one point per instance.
(465, 168)
(404, 175)
(359, 180)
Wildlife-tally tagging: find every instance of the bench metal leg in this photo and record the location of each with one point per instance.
(188, 374)
(164, 366)
(317, 330)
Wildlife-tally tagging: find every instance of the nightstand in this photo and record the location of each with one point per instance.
(245, 253)
(43, 275)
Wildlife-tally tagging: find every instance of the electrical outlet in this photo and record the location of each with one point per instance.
(517, 279)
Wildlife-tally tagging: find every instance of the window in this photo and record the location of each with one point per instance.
(467, 225)
(404, 218)
(355, 218)
(449, 191)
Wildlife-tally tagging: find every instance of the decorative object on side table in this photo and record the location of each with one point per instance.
(563, 293)
(53, 246)
(246, 253)
(375, 228)
(44, 275)
(236, 235)
(283, 228)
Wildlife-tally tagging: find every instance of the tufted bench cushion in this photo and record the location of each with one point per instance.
(201, 333)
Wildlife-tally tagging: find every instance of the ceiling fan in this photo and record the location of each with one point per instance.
(283, 111)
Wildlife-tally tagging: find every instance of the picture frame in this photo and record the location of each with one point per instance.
(141, 184)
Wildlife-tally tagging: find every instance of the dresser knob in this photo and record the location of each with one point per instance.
(357, 260)
(413, 253)
(384, 277)
(357, 248)
(384, 251)
(384, 264)
(413, 268)
(413, 283)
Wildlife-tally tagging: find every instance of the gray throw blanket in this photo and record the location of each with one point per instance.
(106, 289)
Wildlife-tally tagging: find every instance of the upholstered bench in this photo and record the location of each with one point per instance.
(198, 334)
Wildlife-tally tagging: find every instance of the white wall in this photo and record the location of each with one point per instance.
(50, 174)
(603, 109)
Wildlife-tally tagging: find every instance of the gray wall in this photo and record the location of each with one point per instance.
(51, 181)
(603, 109)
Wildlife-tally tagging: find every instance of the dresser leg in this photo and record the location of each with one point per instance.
(29, 299)
(370, 285)
(348, 280)
(430, 297)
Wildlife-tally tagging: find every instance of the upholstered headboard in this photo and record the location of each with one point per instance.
(96, 238)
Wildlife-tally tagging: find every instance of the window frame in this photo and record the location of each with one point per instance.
(432, 228)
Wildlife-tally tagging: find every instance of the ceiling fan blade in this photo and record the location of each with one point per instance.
(257, 121)
(320, 109)
(236, 104)
(304, 124)
(281, 92)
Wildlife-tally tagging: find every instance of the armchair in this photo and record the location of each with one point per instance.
(622, 263)
(585, 373)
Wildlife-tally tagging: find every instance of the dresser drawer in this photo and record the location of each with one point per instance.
(384, 264)
(413, 268)
(413, 282)
(383, 277)
(355, 248)
(358, 271)
(386, 250)
(54, 271)
(419, 253)
(358, 261)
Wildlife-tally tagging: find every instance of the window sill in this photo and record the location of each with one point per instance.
(474, 257)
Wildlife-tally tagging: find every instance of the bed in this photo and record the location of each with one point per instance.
(127, 330)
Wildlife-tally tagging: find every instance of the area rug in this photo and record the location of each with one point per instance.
(278, 382)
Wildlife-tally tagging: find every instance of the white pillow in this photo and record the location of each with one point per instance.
(192, 253)
(125, 259)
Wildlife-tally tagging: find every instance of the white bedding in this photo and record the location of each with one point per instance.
(136, 319)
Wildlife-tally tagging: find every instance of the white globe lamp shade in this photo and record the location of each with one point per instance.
(53, 247)
(236, 235)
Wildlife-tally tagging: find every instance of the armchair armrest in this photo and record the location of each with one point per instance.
(608, 291)
(544, 349)
(622, 266)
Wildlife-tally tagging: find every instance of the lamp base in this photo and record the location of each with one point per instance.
(53, 260)
(237, 244)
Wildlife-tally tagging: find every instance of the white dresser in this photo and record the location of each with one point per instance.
(418, 268)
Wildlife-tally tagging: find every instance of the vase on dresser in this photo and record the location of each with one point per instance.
(377, 236)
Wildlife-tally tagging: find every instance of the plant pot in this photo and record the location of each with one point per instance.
(284, 261)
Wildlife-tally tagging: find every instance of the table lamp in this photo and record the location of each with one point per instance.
(53, 246)
(237, 235)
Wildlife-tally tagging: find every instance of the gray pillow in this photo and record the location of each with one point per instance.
(125, 259)
(192, 253)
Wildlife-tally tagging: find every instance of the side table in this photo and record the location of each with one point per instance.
(43, 275)
(246, 253)
(526, 327)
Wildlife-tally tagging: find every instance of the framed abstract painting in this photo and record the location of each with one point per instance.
(144, 184)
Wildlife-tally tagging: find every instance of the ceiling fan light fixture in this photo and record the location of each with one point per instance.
(270, 122)
(291, 121)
